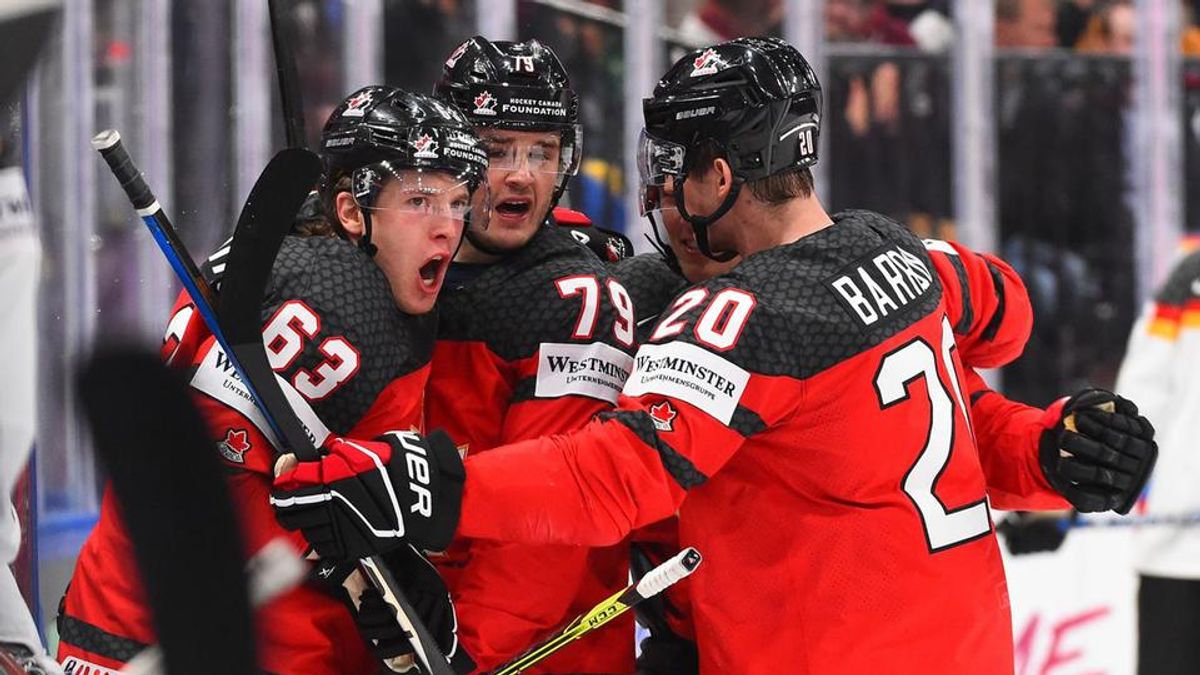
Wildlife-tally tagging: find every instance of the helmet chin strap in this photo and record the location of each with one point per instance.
(700, 224)
(364, 242)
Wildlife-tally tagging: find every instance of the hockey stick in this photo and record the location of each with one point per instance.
(656, 581)
(173, 499)
(1163, 520)
(272, 571)
(264, 221)
(108, 144)
(285, 70)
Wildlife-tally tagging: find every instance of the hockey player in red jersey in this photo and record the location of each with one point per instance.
(534, 338)
(806, 414)
(347, 324)
(1006, 431)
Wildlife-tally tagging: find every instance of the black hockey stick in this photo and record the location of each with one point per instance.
(174, 502)
(291, 172)
(289, 80)
(265, 221)
(654, 582)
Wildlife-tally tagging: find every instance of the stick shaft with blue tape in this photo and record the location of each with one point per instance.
(108, 144)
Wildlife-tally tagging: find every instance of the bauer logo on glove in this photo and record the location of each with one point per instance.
(366, 497)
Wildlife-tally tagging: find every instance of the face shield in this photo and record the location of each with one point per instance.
(543, 151)
(422, 196)
(660, 164)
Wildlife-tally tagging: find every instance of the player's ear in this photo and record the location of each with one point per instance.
(724, 174)
(349, 214)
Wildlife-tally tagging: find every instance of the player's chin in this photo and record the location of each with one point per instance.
(505, 236)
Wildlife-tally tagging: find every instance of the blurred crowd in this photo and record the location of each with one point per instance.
(1063, 129)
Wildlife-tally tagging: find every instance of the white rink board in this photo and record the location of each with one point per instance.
(1074, 611)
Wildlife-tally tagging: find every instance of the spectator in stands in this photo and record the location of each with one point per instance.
(712, 21)
(1071, 19)
(1025, 24)
(1190, 35)
(1110, 29)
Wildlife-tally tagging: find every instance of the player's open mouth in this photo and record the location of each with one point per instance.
(514, 207)
(433, 269)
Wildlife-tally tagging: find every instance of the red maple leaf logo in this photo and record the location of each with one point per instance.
(707, 63)
(355, 107)
(235, 445)
(485, 103)
(236, 440)
(663, 414)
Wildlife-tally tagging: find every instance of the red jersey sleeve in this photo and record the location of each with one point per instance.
(986, 301)
(185, 333)
(686, 411)
(1007, 434)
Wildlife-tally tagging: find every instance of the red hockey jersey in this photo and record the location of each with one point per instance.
(334, 334)
(807, 415)
(534, 344)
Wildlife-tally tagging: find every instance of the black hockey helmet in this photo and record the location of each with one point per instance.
(516, 85)
(756, 99)
(380, 130)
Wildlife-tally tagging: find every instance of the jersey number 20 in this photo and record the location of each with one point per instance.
(944, 527)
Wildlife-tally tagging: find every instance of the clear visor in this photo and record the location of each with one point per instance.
(423, 193)
(659, 163)
(534, 151)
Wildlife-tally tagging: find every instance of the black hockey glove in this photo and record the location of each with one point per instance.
(424, 588)
(1035, 532)
(420, 583)
(368, 497)
(668, 654)
(1099, 453)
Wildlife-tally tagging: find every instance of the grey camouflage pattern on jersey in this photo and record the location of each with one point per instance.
(353, 299)
(799, 327)
(513, 306)
(652, 284)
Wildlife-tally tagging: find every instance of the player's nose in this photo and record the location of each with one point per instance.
(519, 176)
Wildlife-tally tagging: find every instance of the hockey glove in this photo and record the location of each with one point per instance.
(1097, 451)
(1035, 532)
(668, 654)
(424, 588)
(368, 497)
